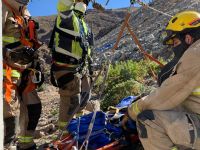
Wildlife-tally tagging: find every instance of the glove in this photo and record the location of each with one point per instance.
(133, 110)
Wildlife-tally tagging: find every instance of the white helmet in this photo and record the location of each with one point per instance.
(81, 7)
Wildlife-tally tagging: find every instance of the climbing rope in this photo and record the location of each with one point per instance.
(147, 6)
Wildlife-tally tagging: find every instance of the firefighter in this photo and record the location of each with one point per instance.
(168, 118)
(71, 55)
(21, 74)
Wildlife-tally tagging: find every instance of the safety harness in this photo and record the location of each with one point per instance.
(68, 63)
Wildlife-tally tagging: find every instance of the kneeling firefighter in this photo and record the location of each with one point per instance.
(70, 71)
(21, 74)
(168, 118)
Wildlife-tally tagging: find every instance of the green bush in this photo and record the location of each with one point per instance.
(125, 79)
(121, 90)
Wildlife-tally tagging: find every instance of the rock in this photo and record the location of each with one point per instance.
(93, 105)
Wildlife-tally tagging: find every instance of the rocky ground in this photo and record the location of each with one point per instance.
(47, 129)
(47, 123)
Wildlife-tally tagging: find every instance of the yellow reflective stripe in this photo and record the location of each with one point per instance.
(14, 73)
(9, 39)
(68, 65)
(65, 52)
(25, 139)
(76, 49)
(174, 148)
(71, 32)
(196, 92)
(62, 124)
(134, 108)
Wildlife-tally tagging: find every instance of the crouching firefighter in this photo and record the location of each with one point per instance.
(168, 118)
(70, 70)
(21, 74)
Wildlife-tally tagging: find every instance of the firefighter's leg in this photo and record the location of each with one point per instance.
(69, 101)
(85, 91)
(10, 114)
(166, 130)
(29, 117)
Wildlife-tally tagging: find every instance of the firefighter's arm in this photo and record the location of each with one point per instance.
(172, 93)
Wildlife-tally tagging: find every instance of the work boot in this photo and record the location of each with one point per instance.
(34, 147)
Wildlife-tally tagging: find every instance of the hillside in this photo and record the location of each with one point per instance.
(147, 24)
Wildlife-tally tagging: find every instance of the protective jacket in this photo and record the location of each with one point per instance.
(181, 89)
(71, 37)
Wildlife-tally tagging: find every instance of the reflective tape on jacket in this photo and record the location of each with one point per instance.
(9, 39)
(25, 139)
(69, 23)
(196, 92)
(174, 148)
(134, 107)
(65, 65)
(65, 52)
(14, 73)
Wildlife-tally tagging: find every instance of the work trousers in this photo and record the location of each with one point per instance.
(74, 96)
(21, 116)
(167, 130)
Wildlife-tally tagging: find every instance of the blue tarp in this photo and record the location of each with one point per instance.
(104, 132)
(126, 101)
(101, 133)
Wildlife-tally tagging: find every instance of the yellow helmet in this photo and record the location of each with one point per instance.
(181, 23)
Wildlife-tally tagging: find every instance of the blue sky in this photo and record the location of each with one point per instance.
(48, 7)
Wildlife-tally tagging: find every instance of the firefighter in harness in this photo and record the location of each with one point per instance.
(70, 44)
(21, 74)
